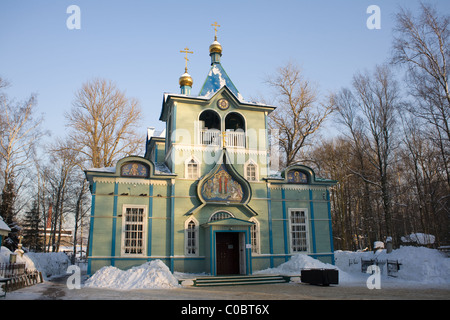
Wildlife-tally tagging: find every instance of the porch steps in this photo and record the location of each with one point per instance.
(239, 280)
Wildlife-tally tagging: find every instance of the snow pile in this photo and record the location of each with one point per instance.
(298, 262)
(295, 265)
(418, 238)
(49, 264)
(151, 275)
(4, 255)
(419, 265)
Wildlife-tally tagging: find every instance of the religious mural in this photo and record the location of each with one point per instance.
(297, 176)
(134, 169)
(222, 187)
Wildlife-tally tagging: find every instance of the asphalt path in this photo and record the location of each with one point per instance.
(57, 289)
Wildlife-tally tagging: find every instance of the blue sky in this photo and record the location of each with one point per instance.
(137, 44)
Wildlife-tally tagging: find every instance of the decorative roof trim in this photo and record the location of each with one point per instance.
(130, 181)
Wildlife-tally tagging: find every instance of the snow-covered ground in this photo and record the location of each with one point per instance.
(420, 267)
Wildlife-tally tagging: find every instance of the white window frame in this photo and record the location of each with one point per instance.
(143, 231)
(256, 247)
(305, 231)
(186, 237)
(247, 164)
(187, 172)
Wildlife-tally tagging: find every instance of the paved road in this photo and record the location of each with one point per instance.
(57, 290)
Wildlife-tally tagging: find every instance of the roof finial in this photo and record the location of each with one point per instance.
(186, 51)
(215, 49)
(185, 80)
(215, 25)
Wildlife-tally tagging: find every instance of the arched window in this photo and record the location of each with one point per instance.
(220, 216)
(234, 121)
(191, 237)
(210, 128)
(235, 130)
(254, 236)
(251, 171)
(192, 169)
(210, 119)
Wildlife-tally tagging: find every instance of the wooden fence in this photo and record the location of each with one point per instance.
(16, 276)
(8, 270)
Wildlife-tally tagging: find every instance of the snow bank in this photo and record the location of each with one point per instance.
(295, 265)
(418, 238)
(298, 262)
(151, 275)
(419, 265)
(49, 264)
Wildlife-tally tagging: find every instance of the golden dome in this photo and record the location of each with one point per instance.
(215, 47)
(186, 80)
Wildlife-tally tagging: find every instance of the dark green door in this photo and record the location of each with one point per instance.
(227, 253)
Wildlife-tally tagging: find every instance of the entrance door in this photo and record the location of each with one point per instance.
(227, 252)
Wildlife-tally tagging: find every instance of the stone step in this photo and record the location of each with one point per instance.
(238, 280)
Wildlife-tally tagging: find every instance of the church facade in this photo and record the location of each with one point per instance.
(203, 198)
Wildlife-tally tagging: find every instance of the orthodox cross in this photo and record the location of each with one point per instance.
(215, 25)
(186, 51)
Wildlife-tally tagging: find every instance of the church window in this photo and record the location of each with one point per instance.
(299, 230)
(254, 234)
(220, 216)
(235, 130)
(133, 234)
(191, 237)
(210, 128)
(192, 169)
(251, 171)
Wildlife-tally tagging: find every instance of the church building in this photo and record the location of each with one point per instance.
(203, 198)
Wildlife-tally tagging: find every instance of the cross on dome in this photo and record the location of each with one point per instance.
(215, 25)
(186, 51)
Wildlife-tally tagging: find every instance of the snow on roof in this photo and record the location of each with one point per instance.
(161, 168)
(216, 79)
(3, 225)
(107, 169)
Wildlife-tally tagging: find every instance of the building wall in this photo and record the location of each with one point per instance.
(272, 216)
(170, 199)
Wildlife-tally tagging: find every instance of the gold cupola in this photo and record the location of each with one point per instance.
(185, 80)
(215, 49)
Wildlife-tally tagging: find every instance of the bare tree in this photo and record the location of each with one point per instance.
(20, 132)
(374, 102)
(80, 211)
(298, 115)
(102, 123)
(422, 44)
